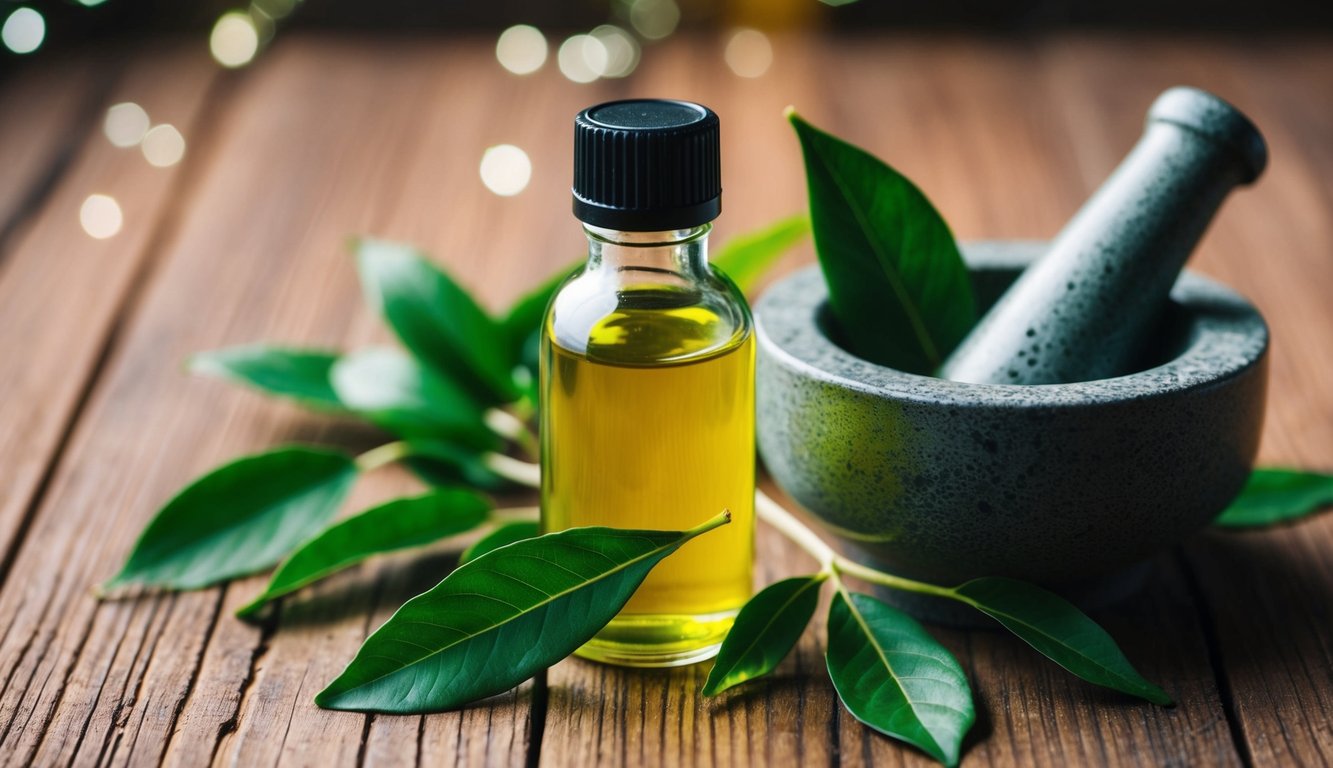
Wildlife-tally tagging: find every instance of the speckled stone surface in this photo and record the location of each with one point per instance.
(1058, 484)
(1087, 309)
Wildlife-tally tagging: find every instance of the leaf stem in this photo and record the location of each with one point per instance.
(515, 514)
(716, 521)
(511, 427)
(776, 515)
(382, 455)
(517, 470)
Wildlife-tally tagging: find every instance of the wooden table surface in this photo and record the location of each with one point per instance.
(328, 136)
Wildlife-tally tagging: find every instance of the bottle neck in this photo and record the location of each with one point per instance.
(679, 251)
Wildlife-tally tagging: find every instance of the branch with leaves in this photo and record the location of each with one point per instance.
(459, 402)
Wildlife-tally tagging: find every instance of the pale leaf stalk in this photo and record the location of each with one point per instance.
(515, 515)
(512, 428)
(515, 470)
(385, 454)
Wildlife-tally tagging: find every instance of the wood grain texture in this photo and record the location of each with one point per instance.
(327, 137)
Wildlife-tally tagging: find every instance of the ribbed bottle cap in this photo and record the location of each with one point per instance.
(647, 165)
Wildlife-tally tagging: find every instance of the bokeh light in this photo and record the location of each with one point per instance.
(274, 9)
(100, 216)
(235, 40)
(654, 19)
(622, 51)
(163, 145)
(23, 31)
(125, 124)
(749, 53)
(521, 49)
(90, 3)
(505, 169)
(582, 58)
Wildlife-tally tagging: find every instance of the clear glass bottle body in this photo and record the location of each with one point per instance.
(648, 422)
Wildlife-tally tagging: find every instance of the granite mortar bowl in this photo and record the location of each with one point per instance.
(1067, 485)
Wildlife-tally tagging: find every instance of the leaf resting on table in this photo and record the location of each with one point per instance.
(299, 374)
(765, 631)
(897, 283)
(498, 620)
(1277, 496)
(894, 677)
(398, 524)
(1060, 632)
(240, 518)
(436, 318)
(502, 536)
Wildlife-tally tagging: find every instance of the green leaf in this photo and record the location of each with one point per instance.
(1060, 632)
(437, 319)
(394, 525)
(502, 536)
(745, 258)
(299, 374)
(440, 463)
(765, 631)
(238, 519)
(895, 678)
(399, 394)
(499, 619)
(1276, 496)
(897, 283)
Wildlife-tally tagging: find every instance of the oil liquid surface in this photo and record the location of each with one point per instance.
(652, 426)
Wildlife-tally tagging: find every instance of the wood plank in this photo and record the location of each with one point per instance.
(61, 294)
(49, 111)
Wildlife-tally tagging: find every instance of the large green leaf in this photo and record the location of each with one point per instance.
(499, 619)
(399, 394)
(240, 518)
(502, 536)
(440, 462)
(394, 525)
(895, 678)
(299, 374)
(897, 283)
(746, 257)
(765, 631)
(1278, 495)
(436, 318)
(1060, 632)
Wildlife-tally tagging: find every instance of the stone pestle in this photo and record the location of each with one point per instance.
(1087, 309)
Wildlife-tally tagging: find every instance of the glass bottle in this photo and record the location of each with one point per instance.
(647, 380)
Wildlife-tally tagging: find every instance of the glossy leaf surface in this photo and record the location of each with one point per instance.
(894, 677)
(398, 524)
(299, 374)
(765, 631)
(436, 318)
(897, 283)
(1061, 632)
(503, 535)
(498, 620)
(240, 518)
(1273, 495)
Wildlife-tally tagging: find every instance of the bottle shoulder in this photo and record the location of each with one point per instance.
(651, 318)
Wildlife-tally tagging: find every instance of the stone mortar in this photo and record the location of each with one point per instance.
(1066, 485)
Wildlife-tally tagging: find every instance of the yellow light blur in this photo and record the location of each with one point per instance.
(654, 19)
(521, 49)
(163, 145)
(100, 216)
(125, 124)
(622, 50)
(582, 58)
(749, 53)
(235, 40)
(23, 31)
(505, 169)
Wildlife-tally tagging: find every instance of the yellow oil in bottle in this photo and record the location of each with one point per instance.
(651, 426)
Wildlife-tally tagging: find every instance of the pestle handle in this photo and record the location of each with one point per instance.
(1087, 308)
